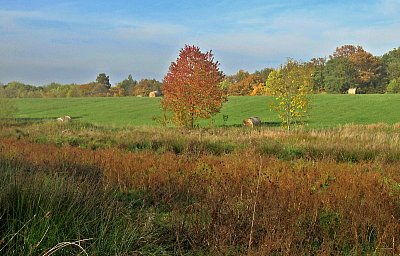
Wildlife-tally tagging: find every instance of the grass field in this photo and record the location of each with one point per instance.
(325, 111)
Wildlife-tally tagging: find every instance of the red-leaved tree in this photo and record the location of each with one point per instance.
(192, 86)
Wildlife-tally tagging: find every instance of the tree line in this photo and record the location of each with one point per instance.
(349, 66)
(99, 88)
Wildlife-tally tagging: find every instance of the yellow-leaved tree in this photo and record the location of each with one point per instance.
(291, 85)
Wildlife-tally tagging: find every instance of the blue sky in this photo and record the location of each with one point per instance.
(42, 41)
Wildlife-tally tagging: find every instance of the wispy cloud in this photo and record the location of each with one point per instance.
(72, 41)
(91, 44)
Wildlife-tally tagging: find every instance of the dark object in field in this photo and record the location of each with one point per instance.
(252, 121)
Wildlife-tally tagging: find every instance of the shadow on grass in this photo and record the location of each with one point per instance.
(271, 124)
(263, 124)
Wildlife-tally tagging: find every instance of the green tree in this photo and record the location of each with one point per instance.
(103, 79)
(338, 75)
(290, 85)
(192, 86)
(393, 86)
(391, 62)
(127, 84)
(318, 66)
(263, 74)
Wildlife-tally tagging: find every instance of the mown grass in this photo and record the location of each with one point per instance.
(325, 111)
(167, 191)
(125, 111)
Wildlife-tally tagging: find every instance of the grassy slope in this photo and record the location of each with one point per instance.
(108, 111)
(326, 110)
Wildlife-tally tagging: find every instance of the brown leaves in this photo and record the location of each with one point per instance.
(367, 68)
(346, 51)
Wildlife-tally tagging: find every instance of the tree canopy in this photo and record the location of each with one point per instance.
(290, 85)
(191, 86)
(104, 80)
(391, 62)
(338, 75)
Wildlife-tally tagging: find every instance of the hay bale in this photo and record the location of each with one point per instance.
(352, 91)
(252, 121)
(67, 119)
(64, 119)
(155, 94)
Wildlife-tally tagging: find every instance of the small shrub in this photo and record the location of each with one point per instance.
(272, 148)
(347, 156)
(393, 86)
(291, 153)
(219, 148)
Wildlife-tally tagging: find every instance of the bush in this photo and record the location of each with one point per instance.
(393, 86)
(7, 108)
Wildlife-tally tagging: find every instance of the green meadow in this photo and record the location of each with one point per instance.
(325, 110)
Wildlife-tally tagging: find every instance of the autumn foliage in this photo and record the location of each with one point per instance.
(364, 70)
(191, 86)
(290, 86)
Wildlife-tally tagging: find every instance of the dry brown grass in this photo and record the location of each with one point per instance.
(303, 206)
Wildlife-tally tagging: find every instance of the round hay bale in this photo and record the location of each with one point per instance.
(155, 94)
(252, 121)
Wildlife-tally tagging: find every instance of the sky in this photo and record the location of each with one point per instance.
(44, 41)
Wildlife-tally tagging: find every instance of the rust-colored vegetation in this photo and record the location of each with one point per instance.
(223, 191)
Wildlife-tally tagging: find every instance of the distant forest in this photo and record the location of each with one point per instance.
(348, 67)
